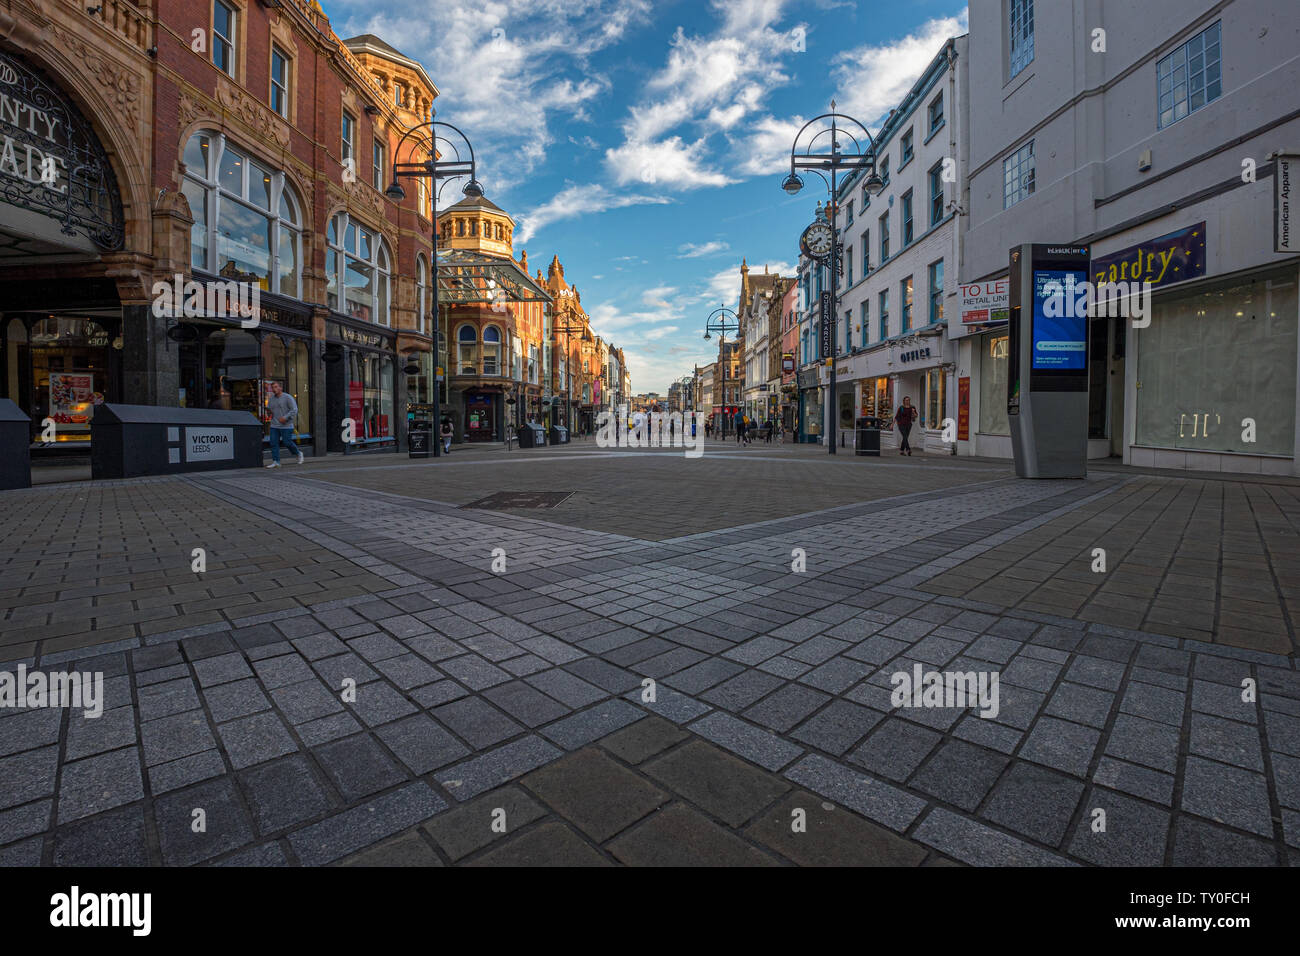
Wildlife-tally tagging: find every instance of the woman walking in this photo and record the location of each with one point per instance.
(904, 418)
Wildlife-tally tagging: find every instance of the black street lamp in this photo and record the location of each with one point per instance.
(568, 325)
(858, 156)
(722, 320)
(435, 169)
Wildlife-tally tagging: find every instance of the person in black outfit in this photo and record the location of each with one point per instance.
(904, 418)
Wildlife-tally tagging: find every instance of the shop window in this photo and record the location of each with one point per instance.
(936, 193)
(875, 399)
(1189, 77)
(1021, 34)
(247, 224)
(223, 37)
(491, 350)
(279, 81)
(287, 361)
(223, 370)
(936, 292)
(1211, 359)
(935, 113)
(1018, 174)
(348, 140)
(467, 345)
(993, 386)
(370, 394)
(70, 372)
(932, 398)
(421, 294)
(358, 263)
(377, 165)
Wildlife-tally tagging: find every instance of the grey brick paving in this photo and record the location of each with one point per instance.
(469, 682)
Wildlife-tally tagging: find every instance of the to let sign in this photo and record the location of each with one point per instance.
(986, 301)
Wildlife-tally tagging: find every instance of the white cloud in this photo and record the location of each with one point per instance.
(692, 250)
(712, 84)
(505, 69)
(671, 163)
(659, 296)
(723, 287)
(873, 78)
(574, 201)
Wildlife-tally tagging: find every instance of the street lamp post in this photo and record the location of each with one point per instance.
(567, 325)
(434, 169)
(722, 320)
(859, 157)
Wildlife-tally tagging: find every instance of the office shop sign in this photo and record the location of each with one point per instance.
(51, 161)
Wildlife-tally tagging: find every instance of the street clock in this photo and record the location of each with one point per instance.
(816, 240)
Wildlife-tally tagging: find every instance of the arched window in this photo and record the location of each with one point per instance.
(421, 294)
(247, 220)
(491, 350)
(467, 344)
(357, 262)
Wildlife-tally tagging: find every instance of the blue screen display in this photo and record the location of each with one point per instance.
(1060, 320)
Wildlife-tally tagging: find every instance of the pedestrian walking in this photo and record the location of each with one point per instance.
(771, 427)
(741, 422)
(904, 418)
(445, 434)
(283, 410)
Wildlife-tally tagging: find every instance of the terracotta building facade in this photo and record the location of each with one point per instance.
(216, 145)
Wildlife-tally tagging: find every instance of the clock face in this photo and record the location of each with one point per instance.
(817, 240)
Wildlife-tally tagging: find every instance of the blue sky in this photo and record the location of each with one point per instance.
(645, 142)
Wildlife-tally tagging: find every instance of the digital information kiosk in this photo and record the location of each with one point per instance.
(1047, 376)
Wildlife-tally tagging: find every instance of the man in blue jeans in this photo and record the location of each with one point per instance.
(283, 410)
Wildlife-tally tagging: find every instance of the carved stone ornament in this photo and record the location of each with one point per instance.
(261, 119)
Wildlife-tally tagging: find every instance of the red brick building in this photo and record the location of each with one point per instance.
(233, 143)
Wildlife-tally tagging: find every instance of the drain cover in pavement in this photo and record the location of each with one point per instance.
(510, 500)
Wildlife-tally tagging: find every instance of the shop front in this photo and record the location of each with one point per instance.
(811, 415)
(226, 366)
(360, 386)
(1214, 377)
(483, 411)
(62, 315)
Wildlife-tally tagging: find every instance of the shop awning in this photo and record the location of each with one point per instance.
(466, 277)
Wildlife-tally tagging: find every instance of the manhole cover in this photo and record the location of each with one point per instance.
(510, 500)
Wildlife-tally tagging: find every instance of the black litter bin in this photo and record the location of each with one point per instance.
(868, 437)
(531, 436)
(419, 438)
(15, 446)
(559, 435)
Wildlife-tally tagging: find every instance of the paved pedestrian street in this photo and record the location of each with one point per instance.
(587, 656)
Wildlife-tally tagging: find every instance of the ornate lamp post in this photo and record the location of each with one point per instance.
(568, 325)
(722, 321)
(434, 169)
(848, 152)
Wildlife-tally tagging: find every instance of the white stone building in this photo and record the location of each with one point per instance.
(1151, 142)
